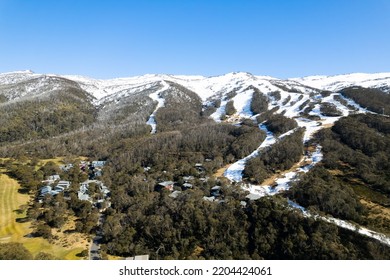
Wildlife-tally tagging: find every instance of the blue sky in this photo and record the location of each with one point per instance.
(105, 39)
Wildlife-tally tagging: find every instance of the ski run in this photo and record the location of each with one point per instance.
(156, 96)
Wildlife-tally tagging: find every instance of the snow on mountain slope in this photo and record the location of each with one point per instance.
(17, 77)
(207, 87)
(156, 96)
(19, 86)
(335, 83)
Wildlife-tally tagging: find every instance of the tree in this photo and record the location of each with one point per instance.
(230, 109)
(44, 231)
(44, 256)
(14, 251)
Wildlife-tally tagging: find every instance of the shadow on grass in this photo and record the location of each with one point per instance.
(22, 220)
(82, 254)
(23, 191)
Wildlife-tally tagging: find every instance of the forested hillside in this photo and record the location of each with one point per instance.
(226, 167)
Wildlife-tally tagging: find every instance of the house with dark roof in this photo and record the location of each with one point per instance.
(215, 191)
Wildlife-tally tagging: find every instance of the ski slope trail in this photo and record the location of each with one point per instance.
(384, 239)
(156, 96)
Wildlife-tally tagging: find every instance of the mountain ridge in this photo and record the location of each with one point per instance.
(205, 87)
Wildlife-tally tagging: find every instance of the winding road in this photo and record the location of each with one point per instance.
(94, 249)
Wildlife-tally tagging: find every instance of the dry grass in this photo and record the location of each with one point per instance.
(376, 210)
(114, 258)
(336, 172)
(13, 205)
(66, 236)
(378, 217)
(10, 202)
(270, 181)
(58, 161)
(221, 171)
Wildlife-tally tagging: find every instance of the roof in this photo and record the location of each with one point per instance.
(82, 196)
(63, 183)
(188, 178)
(98, 163)
(253, 196)
(187, 185)
(83, 188)
(55, 192)
(166, 183)
(215, 188)
(209, 198)
(45, 189)
(54, 177)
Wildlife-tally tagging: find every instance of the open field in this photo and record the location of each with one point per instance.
(13, 206)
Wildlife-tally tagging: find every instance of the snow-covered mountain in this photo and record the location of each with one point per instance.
(293, 98)
(28, 83)
(335, 83)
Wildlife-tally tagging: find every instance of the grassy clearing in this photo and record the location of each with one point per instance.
(378, 217)
(114, 258)
(13, 206)
(58, 161)
(221, 171)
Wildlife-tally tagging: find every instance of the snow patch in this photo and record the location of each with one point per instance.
(156, 96)
(335, 83)
(242, 103)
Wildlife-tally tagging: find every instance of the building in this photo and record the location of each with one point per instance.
(63, 184)
(98, 163)
(166, 185)
(60, 187)
(188, 178)
(54, 178)
(66, 167)
(215, 191)
(45, 190)
(186, 186)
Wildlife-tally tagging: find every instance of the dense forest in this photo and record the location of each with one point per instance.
(189, 228)
(373, 99)
(355, 167)
(46, 117)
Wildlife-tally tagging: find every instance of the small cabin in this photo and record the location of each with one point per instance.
(166, 185)
(186, 186)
